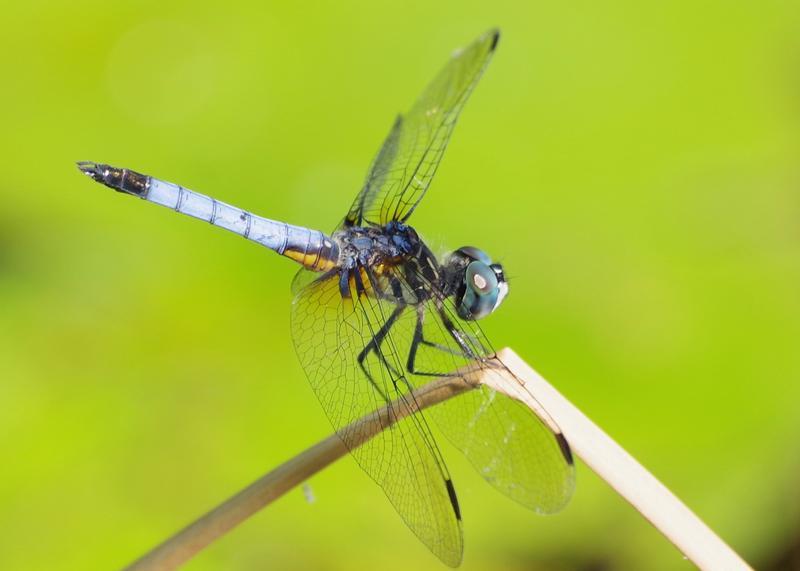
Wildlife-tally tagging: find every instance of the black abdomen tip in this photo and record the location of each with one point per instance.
(121, 180)
(90, 169)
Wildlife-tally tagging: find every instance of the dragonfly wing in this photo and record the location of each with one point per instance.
(511, 447)
(405, 165)
(329, 332)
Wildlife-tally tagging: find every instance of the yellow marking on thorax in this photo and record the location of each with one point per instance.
(378, 273)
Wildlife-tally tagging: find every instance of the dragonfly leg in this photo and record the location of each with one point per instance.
(374, 347)
(457, 335)
(419, 339)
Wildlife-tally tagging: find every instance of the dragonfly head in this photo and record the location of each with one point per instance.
(481, 285)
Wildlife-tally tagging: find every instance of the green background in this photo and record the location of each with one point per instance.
(634, 166)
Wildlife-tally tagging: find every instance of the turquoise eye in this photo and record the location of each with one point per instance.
(481, 291)
(481, 278)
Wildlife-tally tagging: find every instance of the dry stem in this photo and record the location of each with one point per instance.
(629, 478)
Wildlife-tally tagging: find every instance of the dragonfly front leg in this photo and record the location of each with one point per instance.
(374, 346)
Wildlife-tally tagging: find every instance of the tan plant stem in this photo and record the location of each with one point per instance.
(182, 546)
(612, 463)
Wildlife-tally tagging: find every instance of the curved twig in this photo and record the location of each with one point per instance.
(185, 544)
(610, 461)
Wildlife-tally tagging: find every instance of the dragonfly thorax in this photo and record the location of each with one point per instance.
(391, 262)
(377, 245)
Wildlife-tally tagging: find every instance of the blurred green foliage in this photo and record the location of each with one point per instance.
(634, 165)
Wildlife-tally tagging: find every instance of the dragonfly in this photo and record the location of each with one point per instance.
(376, 315)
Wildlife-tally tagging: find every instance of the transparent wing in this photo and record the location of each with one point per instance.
(329, 333)
(410, 155)
(515, 451)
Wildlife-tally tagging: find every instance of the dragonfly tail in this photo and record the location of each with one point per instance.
(310, 248)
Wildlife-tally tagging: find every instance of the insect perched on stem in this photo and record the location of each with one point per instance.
(376, 315)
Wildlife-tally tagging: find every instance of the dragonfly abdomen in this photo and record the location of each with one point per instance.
(310, 248)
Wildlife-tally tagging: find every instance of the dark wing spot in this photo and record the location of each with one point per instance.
(495, 39)
(565, 449)
(451, 491)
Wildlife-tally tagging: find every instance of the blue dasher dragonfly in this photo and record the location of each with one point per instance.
(376, 314)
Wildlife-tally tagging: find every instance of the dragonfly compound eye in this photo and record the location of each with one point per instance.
(481, 293)
(474, 254)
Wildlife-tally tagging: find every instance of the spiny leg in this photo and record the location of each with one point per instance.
(456, 334)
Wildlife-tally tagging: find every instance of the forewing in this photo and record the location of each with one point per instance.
(510, 446)
(410, 155)
(329, 333)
